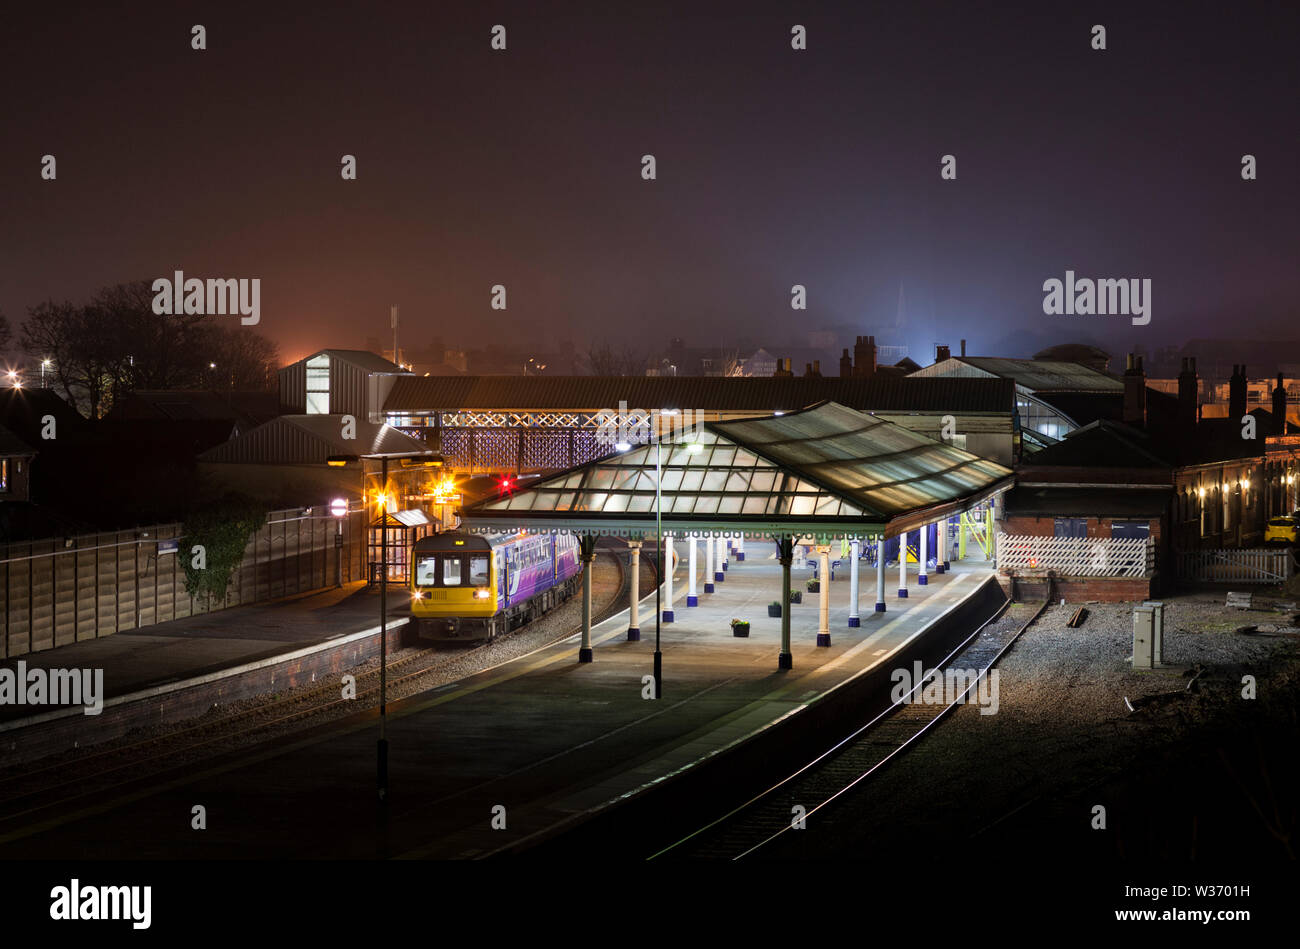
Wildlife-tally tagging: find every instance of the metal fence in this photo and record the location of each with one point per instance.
(67, 590)
(1077, 556)
(1248, 565)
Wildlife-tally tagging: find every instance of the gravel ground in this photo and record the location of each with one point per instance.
(1015, 779)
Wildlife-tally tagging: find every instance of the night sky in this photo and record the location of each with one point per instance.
(775, 167)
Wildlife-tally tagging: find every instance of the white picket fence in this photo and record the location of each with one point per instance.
(1250, 565)
(1076, 556)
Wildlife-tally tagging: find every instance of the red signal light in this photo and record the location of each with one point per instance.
(505, 486)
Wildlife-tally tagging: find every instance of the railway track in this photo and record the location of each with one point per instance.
(28, 792)
(761, 822)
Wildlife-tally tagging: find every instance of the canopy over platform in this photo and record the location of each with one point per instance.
(827, 471)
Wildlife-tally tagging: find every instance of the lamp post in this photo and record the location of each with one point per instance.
(407, 458)
(659, 553)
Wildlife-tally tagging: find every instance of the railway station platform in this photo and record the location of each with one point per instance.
(519, 752)
(236, 653)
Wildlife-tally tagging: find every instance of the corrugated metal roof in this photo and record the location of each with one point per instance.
(417, 395)
(310, 440)
(361, 358)
(1037, 375)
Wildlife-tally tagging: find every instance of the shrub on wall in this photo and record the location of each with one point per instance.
(220, 532)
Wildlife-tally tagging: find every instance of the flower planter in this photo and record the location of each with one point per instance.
(774, 609)
(814, 587)
(796, 596)
(740, 629)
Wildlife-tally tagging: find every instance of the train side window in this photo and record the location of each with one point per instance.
(478, 571)
(451, 569)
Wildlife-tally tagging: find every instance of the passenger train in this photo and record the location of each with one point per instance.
(468, 587)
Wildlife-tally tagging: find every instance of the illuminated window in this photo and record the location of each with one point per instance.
(478, 570)
(318, 385)
(4, 474)
(426, 573)
(451, 567)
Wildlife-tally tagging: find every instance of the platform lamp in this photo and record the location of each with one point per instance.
(407, 459)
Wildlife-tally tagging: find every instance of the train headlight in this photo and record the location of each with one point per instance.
(481, 593)
(417, 595)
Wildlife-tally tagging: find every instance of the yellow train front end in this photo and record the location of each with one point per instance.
(454, 587)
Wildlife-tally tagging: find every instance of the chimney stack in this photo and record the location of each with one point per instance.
(1187, 395)
(864, 356)
(846, 365)
(1237, 393)
(783, 367)
(963, 347)
(1279, 407)
(1135, 392)
(941, 353)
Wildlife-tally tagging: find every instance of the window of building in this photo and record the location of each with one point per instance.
(318, 385)
(4, 474)
(1071, 527)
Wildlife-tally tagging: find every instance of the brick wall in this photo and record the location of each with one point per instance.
(1080, 589)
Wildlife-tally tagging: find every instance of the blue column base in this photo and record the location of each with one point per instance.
(708, 588)
(785, 661)
(740, 555)
(584, 654)
(668, 616)
(922, 580)
(719, 577)
(634, 634)
(823, 639)
(854, 622)
(692, 600)
(880, 607)
(902, 594)
(938, 568)
(725, 564)
(946, 566)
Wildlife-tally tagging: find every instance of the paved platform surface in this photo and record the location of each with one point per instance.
(135, 660)
(544, 737)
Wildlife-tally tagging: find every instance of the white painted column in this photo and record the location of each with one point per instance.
(740, 548)
(855, 550)
(902, 566)
(668, 578)
(880, 573)
(921, 578)
(720, 566)
(634, 594)
(691, 598)
(708, 565)
(824, 600)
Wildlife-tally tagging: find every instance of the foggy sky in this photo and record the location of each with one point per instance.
(775, 167)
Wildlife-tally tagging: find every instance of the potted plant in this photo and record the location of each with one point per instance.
(796, 596)
(740, 627)
(813, 585)
(774, 608)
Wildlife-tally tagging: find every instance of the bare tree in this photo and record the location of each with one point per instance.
(116, 344)
(602, 360)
